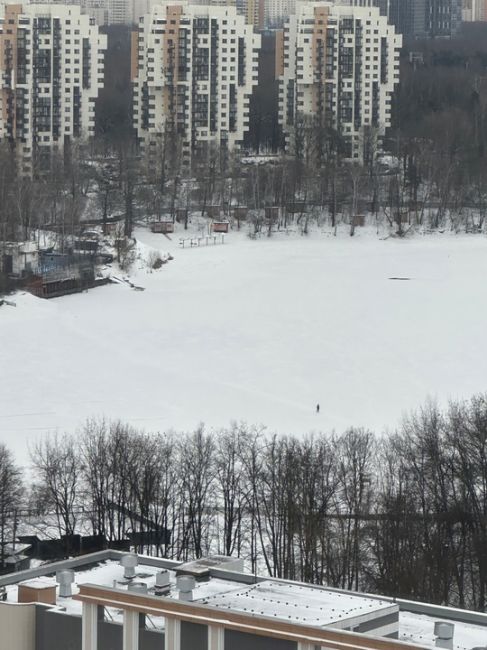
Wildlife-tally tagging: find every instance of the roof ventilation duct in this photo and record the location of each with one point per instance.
(185, 584)
(444, 635)
(65, 579)
(129, 562)
(163, 586)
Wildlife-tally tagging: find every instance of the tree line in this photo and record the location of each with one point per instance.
(403, 514)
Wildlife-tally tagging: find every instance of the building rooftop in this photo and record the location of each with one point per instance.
(240, 592)
(298, 603)
(294, 602)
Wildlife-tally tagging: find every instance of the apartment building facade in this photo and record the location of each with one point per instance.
(426, 18)
(193, 68)
(474, 10)
(51, 70)
(337, 67)
(278, 11)
(254, 12)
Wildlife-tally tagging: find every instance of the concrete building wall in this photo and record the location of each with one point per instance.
(57, 631)
(54, 630)
(17, 627)
(194, 636)
(152, 640)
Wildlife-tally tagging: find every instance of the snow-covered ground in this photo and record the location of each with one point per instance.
(254, 330)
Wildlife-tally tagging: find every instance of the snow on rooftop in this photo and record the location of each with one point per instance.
(294, 602)
(39, 583)
(419, 629)
(298, 603)
(106, 573)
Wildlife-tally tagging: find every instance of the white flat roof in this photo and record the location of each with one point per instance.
(286, 601)
(291, 602)
(417, 628)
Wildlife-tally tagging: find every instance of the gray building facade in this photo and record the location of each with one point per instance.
(426, 18)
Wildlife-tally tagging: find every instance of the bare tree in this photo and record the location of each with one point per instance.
(57, 466)
(11, 495)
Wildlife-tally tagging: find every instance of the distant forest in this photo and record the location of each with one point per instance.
(402, 514)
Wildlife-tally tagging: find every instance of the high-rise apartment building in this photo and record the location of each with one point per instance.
(474, 10)
(97, 10)
(409, 17)
(278, 11)
(426, 18)
(443, 18)
(194, 68)
(108, 12)
(119, 12)
(51, 67)
(255, 13)
(337, 67)
(252, 10)
(382, 4)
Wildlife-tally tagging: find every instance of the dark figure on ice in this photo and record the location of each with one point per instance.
(317, 408)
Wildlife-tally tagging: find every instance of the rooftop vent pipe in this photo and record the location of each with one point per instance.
(444, 635)
(65, 579)
(185, 584)
(162, 586)
(129, 562)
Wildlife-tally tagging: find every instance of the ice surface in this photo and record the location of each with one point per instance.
(253, 330)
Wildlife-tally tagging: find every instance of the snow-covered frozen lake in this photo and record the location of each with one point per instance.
(254, 330)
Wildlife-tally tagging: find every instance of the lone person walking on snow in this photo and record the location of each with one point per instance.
(317, 408)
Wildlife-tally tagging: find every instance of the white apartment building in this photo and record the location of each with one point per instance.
(278, 11)
(97, 10)
(128, 12)
(120, 12)
(337, 67)
(474, 10)
(108, 12)
(194, 68)
(51, 70)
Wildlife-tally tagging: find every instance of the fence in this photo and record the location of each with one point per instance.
(195, 242)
